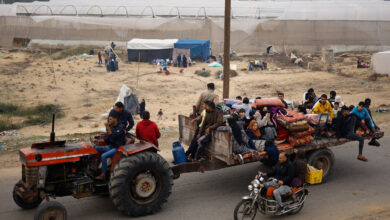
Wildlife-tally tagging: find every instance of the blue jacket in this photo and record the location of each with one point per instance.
(363, 115)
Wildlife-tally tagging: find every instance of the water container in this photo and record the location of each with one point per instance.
(178, 153)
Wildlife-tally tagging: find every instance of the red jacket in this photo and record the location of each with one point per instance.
(148, 131)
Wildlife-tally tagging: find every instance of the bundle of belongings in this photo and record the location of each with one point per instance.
(295, 129)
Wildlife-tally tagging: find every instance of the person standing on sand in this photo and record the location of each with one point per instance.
(100, 57)
(160, 114)
(142, 108)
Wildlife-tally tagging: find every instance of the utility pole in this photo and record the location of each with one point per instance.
(226, 50)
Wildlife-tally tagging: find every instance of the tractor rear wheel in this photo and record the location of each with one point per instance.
(141, 183)
(22, 203)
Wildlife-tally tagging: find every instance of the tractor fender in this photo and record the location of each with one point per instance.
(130, 149)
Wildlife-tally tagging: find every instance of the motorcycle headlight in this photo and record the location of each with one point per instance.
(256, 191)
(261, 179)
(256, 183)
(250, 187)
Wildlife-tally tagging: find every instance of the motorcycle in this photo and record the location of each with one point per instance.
(262, 200)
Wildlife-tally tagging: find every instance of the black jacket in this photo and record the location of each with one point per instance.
(344, 125)
(117, 137)
(123, 118)
(283, 171)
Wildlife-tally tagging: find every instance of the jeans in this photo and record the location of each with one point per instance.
(202, 142)
(100, 60)
(279, 191)
(107, 152)
(355, 137)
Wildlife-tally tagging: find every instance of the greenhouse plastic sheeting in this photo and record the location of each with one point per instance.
(381, 62)
(197, 47)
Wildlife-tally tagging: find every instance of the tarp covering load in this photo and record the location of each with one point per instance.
(199, 48)
(381, 62)
(146, 50)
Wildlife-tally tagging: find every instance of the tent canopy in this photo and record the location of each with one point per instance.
(199, 48)
(380, 62)
(151, 44)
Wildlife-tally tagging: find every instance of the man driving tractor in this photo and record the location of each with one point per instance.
(114, 138)
(284, 173)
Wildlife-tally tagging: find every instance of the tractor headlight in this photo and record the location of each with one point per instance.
(250, 187)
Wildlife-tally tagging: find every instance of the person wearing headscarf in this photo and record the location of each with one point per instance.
(265, 125)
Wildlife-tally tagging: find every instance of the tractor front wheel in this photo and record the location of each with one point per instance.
(140, 184)
(24, 204)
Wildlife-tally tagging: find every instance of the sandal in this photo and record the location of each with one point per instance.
(362, 158)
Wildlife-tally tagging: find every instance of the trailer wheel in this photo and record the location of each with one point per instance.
(51, 210)
(140, 184)
(322, 159)
(22, 203)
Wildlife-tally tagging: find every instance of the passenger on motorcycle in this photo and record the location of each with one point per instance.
(284, 173)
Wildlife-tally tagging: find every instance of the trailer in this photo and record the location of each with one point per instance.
(318, 152)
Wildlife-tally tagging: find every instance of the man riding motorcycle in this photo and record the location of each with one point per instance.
(284, 173)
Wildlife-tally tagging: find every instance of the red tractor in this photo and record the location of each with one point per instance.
(139, 182)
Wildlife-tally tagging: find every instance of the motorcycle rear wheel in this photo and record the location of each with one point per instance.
(243, 211)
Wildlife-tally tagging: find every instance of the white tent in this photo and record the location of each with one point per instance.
(151, 44)
(381, 62)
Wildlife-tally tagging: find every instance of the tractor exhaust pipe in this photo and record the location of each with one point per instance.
(52, 134)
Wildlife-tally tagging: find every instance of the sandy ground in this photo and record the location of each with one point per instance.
(84, 88)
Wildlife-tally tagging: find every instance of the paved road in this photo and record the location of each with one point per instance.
(355, 189)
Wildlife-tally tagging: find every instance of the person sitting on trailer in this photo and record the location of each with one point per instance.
(190, 153)
(124, 117)
(211, 122)
(309, 103)
(284, 172)
(323, 106)
(281, 97)
(253, 133)
(147, 130)
(245, 105)
(114, 138)
(241, 118)
(332, 97)
(345, 128)
(361, 112)
(272, 152)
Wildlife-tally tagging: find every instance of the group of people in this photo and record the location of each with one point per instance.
(345, 119)
(183, 61)
(118, 125)
(110, 59)
(251, 129)
(252, 126)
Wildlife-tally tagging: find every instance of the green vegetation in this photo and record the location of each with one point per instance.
(70, 52)
(204, 73)
(41, 114)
